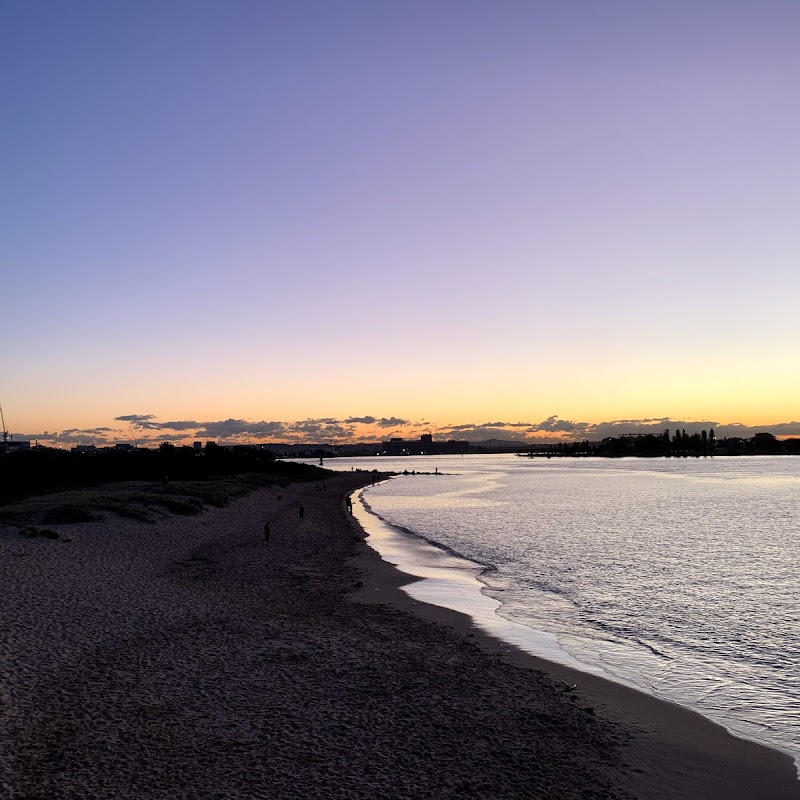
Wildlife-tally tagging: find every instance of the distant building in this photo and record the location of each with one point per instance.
(10, 446)
(424, 446)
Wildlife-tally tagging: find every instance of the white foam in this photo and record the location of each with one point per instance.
(449, 581)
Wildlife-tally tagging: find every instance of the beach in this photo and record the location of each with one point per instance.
(190, 659)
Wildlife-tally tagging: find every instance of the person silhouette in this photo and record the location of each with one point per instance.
(301, 512)
(266, 533)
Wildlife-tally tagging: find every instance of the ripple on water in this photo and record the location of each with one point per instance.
(675, 575)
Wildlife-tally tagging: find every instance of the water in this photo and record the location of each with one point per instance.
(678, 576)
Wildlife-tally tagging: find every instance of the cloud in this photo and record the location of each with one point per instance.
(657, 425)
(382, 422)
(780, 429)
(179, 425)
(325, 428)
(556, 425)
(149, 431)
(71, 436)
(213, 429)
(320, 429)
(140, 420)
(240, 429)
(654, 426)
(488, 430)
(391, 422)
(570, 430)
(484, 430)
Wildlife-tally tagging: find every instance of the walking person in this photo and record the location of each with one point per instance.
(301, 512)
(349, 504)
(266, 533)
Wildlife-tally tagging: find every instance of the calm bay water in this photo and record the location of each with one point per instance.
(680, 576)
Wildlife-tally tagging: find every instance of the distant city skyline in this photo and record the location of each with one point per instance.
(147, 430)
(254, 217)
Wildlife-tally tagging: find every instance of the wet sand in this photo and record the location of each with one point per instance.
(188, 659)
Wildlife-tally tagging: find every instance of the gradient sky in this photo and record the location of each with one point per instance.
(445, 213)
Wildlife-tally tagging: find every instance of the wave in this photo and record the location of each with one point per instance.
(486, 567)
(544, 586)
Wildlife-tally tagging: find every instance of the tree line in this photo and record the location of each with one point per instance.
(678, 443)
(31, 472)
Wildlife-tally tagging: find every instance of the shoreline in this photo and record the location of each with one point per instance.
(444, 578)
(717, 763)
(189, 659)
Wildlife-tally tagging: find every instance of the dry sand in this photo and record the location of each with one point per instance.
(189, 660)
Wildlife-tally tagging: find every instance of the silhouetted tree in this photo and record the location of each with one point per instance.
(765, 441)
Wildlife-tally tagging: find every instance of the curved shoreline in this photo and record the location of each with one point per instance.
(190, 659)
(537, 649)
(443, 577)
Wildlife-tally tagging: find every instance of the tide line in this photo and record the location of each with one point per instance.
(450, 581)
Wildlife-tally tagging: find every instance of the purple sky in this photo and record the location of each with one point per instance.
(447, 212)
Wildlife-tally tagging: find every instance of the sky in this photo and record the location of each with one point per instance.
(342, 220)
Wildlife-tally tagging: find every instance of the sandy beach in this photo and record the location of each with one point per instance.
(189, 659)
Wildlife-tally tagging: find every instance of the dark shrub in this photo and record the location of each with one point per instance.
(187, 508)
(69, 515)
